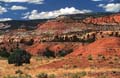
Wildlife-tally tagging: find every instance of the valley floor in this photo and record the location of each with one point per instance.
(32, 70)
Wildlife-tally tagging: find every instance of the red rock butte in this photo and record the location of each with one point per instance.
(113, 19)
(60, 26)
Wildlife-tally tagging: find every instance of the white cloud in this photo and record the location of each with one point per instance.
(5, 19)
(101, 5)
(28, 1)
(111, 7)
(52, 14)
(18, 7)
(2, 10)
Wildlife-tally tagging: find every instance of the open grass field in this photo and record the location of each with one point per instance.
(32, 70)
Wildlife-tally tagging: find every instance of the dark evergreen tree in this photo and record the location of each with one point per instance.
(112, 33)
(63, 53)
(22, 41)
(56, 38)
(18, 57)
(66, 38)
(116, 34)
(4, 53)
(75, 38)
(48, 53)
(30, 42)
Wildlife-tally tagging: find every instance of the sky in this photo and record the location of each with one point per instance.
(45, 9)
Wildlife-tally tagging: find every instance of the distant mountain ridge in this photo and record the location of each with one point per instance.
(28, 24)
(33, 24)
(78, 22)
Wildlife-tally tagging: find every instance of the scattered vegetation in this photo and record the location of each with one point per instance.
(52, 76)
(77, 75)
(90, 57)
(42, 75)
(18, 76)
(19, 72)
(102, 76)
(101, 57)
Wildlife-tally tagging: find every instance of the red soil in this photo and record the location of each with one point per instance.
(55, 47)
(105, 46)
(37, 48)
(98, 47)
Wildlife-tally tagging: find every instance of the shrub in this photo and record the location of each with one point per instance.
(75, 75)
(74, 66)
(102, 57)
(18, 72)
(116, 58)
(103, 76)
(83, 73)
(90, 57)
(52, 76)
(42, 75)
(8, 76)
(78, 75)
(24, 76)
(18, 76)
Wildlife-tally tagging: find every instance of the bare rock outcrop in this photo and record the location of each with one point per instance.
(105, 20)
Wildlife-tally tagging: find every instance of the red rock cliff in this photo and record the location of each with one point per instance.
(105, 20)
